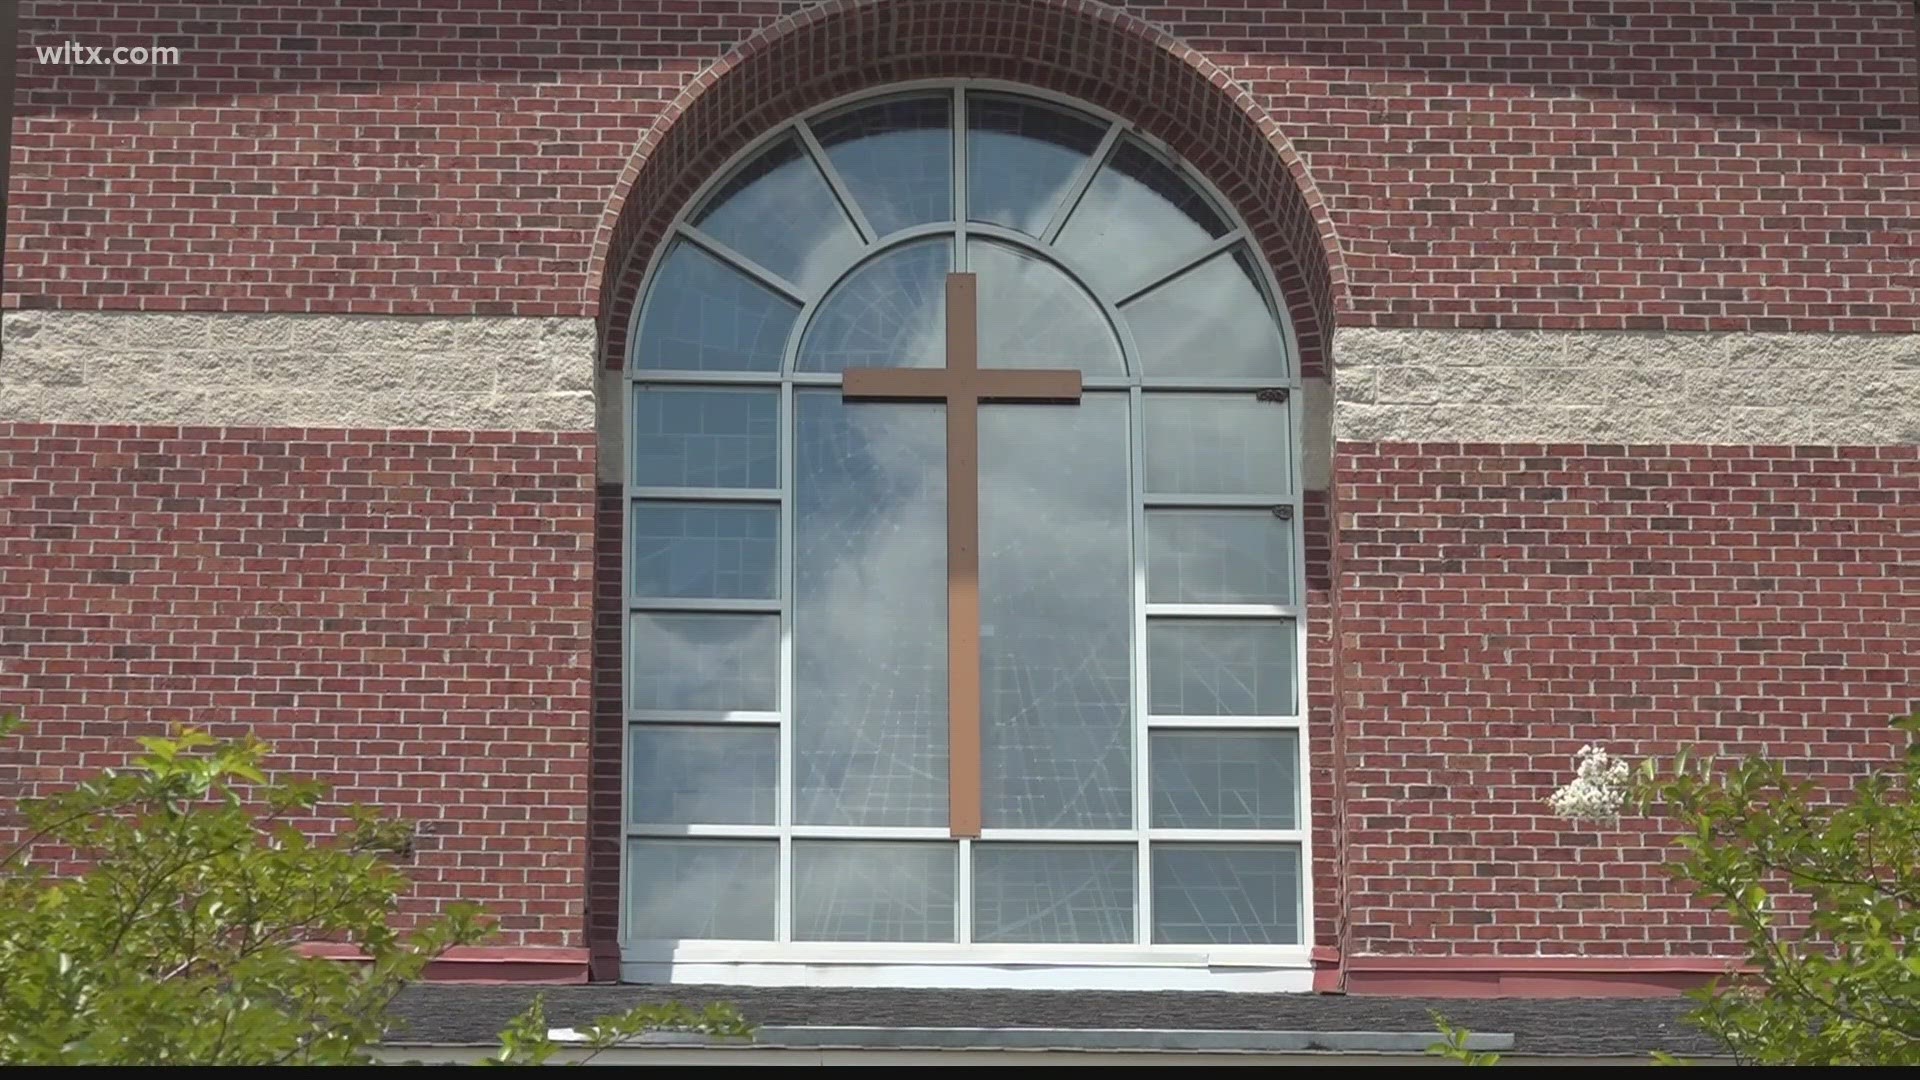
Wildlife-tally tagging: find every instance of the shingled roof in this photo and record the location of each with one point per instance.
(848, 1018)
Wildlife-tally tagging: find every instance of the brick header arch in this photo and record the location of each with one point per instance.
(1076, 47)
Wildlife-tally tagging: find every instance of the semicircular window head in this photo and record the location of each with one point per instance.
(950, 637)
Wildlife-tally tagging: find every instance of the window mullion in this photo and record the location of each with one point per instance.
(832, 176)
(1070, 199)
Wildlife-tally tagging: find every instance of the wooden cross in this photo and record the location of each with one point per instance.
(962, 385)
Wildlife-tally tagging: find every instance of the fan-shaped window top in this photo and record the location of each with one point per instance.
(1139, 751)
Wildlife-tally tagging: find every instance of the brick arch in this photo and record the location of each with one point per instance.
(1080, 48)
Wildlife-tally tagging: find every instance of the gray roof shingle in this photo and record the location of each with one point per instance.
(471, 1015)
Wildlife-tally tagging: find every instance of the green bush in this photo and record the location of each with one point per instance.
(1825, 894)
(179, 943)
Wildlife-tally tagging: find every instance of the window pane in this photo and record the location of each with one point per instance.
(873, 892)
(1222, 780)
(1220, 667)
(1056, 584)
(1022, 158)
(896, 159)
(706, 438)
(1139, 215)
(1216, 444)
(1034, 316)
(1219, 557)
(703, 315)
(1226, 895)
(723, 550)
(892, 312)
(1054, 893)
(779, 212)
(703, 775)
(1211, 320)
(870, 613)
(680, 889)
(705, 662)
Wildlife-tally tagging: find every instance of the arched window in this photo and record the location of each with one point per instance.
(957, 631)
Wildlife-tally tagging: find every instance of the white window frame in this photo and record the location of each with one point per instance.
(1138, 965)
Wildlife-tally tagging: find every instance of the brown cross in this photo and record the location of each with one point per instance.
(962, 385)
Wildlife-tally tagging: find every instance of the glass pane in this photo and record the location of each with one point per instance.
(1222, 895)
(1220, 667)
(1219, 557)
(706, 438)
(703, 775)
(706, 662)
(779, 212)
(896, 159)
(892, 312)
(1022, 158)
(1215, 444)
(873, 892)
(1222, 780)
(1139, 215)
(1053, 893)
(679, 889)
(703, 315)
(1032, 315)
(1056, 585)
(870, 613)
(725, 550)
(1211, 320)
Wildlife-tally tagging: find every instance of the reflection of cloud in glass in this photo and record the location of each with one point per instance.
(1034, 316)
(1056, 609)
(692, 889)
(1211, 320)
(895, 158)
(891, 312)
(862, 891)
(1021, 159)
(779, 212)
(706, 662)
(720, 775)
(1137, 216)
(870, 642)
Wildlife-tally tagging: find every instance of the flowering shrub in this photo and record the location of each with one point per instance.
(1598, 789)
(1842, 985)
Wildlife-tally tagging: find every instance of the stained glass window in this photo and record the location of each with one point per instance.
(789, 767)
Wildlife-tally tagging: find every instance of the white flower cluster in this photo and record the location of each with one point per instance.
(1598, 790)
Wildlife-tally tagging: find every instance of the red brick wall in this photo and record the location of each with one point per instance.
(1681, 164)
(401, 613)
(1502, 605)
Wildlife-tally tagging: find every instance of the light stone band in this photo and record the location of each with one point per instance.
(1601, 387)
(337, 371)
(501, 372)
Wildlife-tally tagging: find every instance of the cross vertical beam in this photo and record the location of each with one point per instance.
(962, 386)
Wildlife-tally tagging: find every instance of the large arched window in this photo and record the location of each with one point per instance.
(825, 745)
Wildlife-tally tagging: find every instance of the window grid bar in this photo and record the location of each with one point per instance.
(960, 195)
(1157, 500)
(1070, 199)
(1226, 836)
(747, 266)
(841, 193)
(638, 717)
(1161, 277)
(1224, 723)
(692, 375)
(788, 439)
(1224, 611)
(748, 605)
(1142, 766)
(705, 494)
